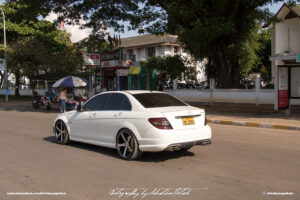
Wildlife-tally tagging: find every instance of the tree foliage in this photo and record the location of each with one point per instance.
(94, 43)
(222, 31)
(173, 66)
(36, 45)
(264, 64)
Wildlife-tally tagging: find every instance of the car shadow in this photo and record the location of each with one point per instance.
(146, 156)
(27, 108)
(164, 156)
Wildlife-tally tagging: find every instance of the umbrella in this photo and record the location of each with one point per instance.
(70, 81)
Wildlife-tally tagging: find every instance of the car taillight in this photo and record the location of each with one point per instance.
(205, 121)
(160, 123)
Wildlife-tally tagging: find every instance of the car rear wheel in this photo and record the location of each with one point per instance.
(61, 133)
(127, 145)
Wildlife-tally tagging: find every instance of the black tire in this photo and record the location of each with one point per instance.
(48, 107)
(127, 145)
(35, 105)
(184, 150)
(61, 133)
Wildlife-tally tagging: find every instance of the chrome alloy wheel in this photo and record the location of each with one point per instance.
(127, 145)
(61, 133)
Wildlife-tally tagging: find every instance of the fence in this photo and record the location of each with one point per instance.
(253, 96)
(25, 92)
(265, 96)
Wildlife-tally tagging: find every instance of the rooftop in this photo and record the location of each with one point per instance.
(149, 39)
(288, 11)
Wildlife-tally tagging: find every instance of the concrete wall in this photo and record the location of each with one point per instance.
(193, 95)
(25, 92)
(265, 96)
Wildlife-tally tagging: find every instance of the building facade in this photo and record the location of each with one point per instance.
(122, 70)
(286, 57)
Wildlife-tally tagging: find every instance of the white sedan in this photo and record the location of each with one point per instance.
(134, 122)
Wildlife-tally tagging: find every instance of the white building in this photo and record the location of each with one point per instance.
(286, 56)
(140, 48)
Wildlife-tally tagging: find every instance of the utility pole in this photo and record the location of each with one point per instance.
(5, 70)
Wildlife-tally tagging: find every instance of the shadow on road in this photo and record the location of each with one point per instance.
(164, 156)
(25, 106)
(146, 157)
(26, 109)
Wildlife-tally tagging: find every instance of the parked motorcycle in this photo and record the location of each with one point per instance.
(38, 100)
(46, 102)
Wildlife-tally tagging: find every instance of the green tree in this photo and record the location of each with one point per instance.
(264, 64)
(155, 63)
(173, 66)
(94, 43)
(220, 31)
(36, 45)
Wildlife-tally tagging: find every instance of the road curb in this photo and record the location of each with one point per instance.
(253, 124)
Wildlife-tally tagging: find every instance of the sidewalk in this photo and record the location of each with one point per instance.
(276, 121)
(263, 116)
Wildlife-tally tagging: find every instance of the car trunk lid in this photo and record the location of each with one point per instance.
(183, 117)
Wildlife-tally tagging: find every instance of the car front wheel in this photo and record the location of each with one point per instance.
(61, 133)
(127, 145)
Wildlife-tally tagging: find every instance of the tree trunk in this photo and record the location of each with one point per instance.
(236, 75)
(18, 76)
(1, 78)
(228, 74)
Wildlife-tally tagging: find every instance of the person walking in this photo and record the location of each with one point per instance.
(63, 99)
(98, 88)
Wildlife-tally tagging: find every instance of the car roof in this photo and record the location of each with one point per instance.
(141, 91)
(132, 92)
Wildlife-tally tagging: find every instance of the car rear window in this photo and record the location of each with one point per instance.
(153, 100)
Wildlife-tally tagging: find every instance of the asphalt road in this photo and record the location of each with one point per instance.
(241, 163)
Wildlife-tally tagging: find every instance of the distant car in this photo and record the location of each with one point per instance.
(134, 122)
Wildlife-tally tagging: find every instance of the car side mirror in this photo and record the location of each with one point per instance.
(79, 108)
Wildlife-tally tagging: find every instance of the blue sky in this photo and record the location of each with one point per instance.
(273, 8)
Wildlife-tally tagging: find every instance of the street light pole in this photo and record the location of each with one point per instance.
(4, 41)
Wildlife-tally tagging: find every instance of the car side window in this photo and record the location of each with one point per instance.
(117, 102)
(96, 103)
(125, 105)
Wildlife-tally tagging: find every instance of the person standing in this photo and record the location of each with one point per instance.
(63, 99)
(98, 88)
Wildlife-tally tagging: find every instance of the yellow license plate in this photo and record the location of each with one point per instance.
(188, 120)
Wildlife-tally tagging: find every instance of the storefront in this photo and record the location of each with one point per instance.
(142, 79)
(114, 75)
(117, 75)
(287, 81)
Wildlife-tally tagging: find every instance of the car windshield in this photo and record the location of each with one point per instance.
(153, 100)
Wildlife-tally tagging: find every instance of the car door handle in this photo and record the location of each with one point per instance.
(93, 115)
(118, 115)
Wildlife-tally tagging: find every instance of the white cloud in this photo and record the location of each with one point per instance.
(77, 34)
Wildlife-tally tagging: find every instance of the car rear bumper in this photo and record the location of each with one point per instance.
(187, 145)
(175, 140)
